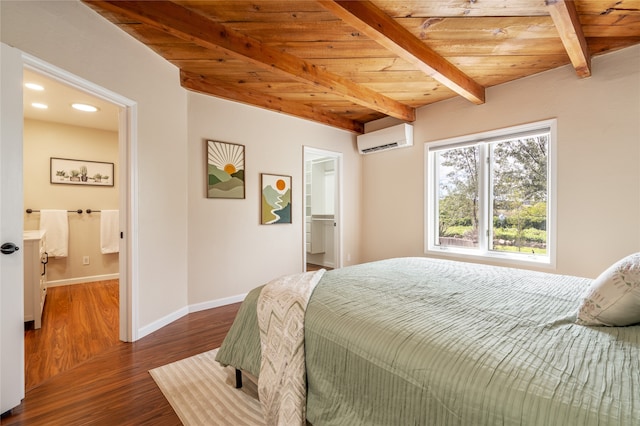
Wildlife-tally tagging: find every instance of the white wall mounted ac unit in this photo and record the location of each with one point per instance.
(398, 136)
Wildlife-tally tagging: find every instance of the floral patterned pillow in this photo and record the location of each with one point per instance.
(614, 297)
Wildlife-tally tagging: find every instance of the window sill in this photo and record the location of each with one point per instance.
(507, 259)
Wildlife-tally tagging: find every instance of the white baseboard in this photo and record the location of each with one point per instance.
(168, 319)
(82, 280)
(216, 303)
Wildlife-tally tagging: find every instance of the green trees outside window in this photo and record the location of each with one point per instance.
(503, 183)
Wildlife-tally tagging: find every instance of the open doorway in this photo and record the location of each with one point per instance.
(322, 236)
(82, 312)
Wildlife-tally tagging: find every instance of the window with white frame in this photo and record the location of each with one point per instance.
(493, 194)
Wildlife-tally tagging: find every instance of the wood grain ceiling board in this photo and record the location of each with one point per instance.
(608, 7)
(259, 10)
(348, 76)
(462, 8)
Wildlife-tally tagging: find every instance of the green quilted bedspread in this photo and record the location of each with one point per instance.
(417, 341)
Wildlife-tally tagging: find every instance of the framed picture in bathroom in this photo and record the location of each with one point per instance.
(81, 172)
(275, 199)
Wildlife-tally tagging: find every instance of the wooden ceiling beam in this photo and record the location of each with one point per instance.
(371, 21)
(565, 18)
(188, 25)
(212, 86)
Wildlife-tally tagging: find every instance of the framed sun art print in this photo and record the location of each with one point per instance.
(275, 199)
(225, 170)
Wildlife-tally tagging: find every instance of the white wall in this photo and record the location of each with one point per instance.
(598, 162)
(71, 36)
(229, 251)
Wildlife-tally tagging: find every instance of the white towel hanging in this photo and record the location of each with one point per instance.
(109, 231)
(56, 225)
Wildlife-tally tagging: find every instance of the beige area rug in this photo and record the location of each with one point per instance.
(202, 392)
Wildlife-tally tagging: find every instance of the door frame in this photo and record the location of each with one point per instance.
(128, 202)
(338, 240)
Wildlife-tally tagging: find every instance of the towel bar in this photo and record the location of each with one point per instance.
(79, 211)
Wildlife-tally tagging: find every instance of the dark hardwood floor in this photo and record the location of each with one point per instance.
(114, 387)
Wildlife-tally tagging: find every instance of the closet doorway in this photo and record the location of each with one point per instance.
(82, 314)
(322, 212)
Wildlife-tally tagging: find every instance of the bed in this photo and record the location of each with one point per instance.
(419, 341)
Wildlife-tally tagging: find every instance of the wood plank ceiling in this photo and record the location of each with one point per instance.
(345, 63)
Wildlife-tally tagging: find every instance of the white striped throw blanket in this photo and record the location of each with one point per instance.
(282, 386)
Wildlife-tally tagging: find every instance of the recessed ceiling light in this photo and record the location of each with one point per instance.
(39, 105)
(34, 86)
(84, 107)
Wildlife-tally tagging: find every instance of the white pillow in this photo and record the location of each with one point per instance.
(614, 297)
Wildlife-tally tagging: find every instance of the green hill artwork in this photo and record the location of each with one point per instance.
(276, 202)
(225, 170)
(224, 185)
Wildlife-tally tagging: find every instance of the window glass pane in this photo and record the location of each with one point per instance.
(491, 195)
(458, 196)
(519, 187)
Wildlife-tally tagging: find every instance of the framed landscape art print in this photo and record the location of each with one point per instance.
(225, 170)
(275, 199)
